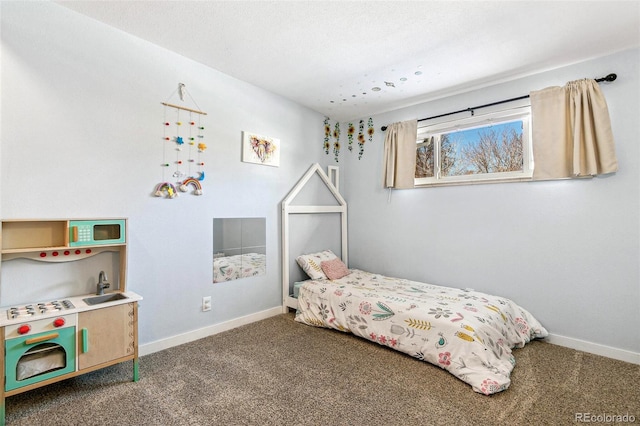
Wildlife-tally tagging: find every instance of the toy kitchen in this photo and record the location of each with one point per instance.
(65, 308)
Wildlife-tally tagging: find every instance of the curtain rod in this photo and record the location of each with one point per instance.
(608, 78)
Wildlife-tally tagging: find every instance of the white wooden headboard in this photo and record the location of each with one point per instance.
(289, 209)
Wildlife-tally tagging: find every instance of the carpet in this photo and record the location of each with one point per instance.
(279, 372)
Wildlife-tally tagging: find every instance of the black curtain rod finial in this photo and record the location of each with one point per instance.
(609, 78)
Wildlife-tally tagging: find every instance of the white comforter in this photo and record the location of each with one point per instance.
(470, 334)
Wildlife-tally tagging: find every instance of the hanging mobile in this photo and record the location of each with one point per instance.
(167, 188)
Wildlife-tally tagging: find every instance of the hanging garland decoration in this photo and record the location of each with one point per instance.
(327, 134)
(361, 139)
(370, 130)
(336, 144)
(168, 188)
(350, 131)
(191, 180)
(201, 148)
(178, 174)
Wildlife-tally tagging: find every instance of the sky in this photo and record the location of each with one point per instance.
(469, 137)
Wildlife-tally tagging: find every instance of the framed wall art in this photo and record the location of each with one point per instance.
(260, 149)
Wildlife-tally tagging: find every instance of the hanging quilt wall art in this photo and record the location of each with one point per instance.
(182, 148)
(351, 130)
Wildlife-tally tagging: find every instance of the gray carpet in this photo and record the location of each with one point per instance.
(279, 372)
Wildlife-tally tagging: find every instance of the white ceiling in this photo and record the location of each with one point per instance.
(330, 55)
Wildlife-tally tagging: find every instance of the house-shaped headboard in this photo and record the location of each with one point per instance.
(339, 206)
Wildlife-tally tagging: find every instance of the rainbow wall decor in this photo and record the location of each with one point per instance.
(184, 187)
(166, 188)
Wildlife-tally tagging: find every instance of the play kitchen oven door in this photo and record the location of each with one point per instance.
(39, 350)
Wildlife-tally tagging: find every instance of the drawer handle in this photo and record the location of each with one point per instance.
(74, 234)
(85, 340)
(41, 338)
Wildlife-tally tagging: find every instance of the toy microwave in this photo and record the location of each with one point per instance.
(96, 232)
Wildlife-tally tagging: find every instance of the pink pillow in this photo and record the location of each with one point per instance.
(334, 269)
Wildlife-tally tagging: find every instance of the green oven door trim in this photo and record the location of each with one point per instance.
(16, 348)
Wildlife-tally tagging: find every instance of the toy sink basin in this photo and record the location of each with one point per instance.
(111, 297)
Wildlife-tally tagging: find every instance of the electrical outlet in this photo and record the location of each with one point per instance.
(206, 303)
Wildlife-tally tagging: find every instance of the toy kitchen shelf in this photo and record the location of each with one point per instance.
(99, 335)
(62, 240)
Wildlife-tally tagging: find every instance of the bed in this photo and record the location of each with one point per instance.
(227, 268)
(468, 333)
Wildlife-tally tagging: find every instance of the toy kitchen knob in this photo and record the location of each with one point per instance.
(24, 329)
(58, 322)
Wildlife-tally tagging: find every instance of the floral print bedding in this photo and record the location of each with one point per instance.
(467, 333)
(229, 268)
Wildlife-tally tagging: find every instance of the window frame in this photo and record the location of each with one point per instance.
(516, 112)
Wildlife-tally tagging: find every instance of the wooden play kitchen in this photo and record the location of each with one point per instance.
(53, 340)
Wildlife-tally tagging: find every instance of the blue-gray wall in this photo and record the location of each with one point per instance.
(82, 127)
(566, 250)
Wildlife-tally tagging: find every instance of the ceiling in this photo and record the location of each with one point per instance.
(352, 59)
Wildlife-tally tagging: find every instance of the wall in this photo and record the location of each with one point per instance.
(566, 250)
(82, 128)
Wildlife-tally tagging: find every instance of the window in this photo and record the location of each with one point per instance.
(492, 147)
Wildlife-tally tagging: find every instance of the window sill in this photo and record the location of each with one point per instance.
(474, 181)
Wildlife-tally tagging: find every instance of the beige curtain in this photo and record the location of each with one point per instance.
(400, 155)
(572, 134)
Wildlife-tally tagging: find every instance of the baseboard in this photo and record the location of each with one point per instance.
(594, 348)
(180, 339)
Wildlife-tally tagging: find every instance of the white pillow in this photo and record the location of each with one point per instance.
(312, 263)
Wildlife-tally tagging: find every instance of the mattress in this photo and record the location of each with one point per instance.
(470, 334)
(296, 288)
